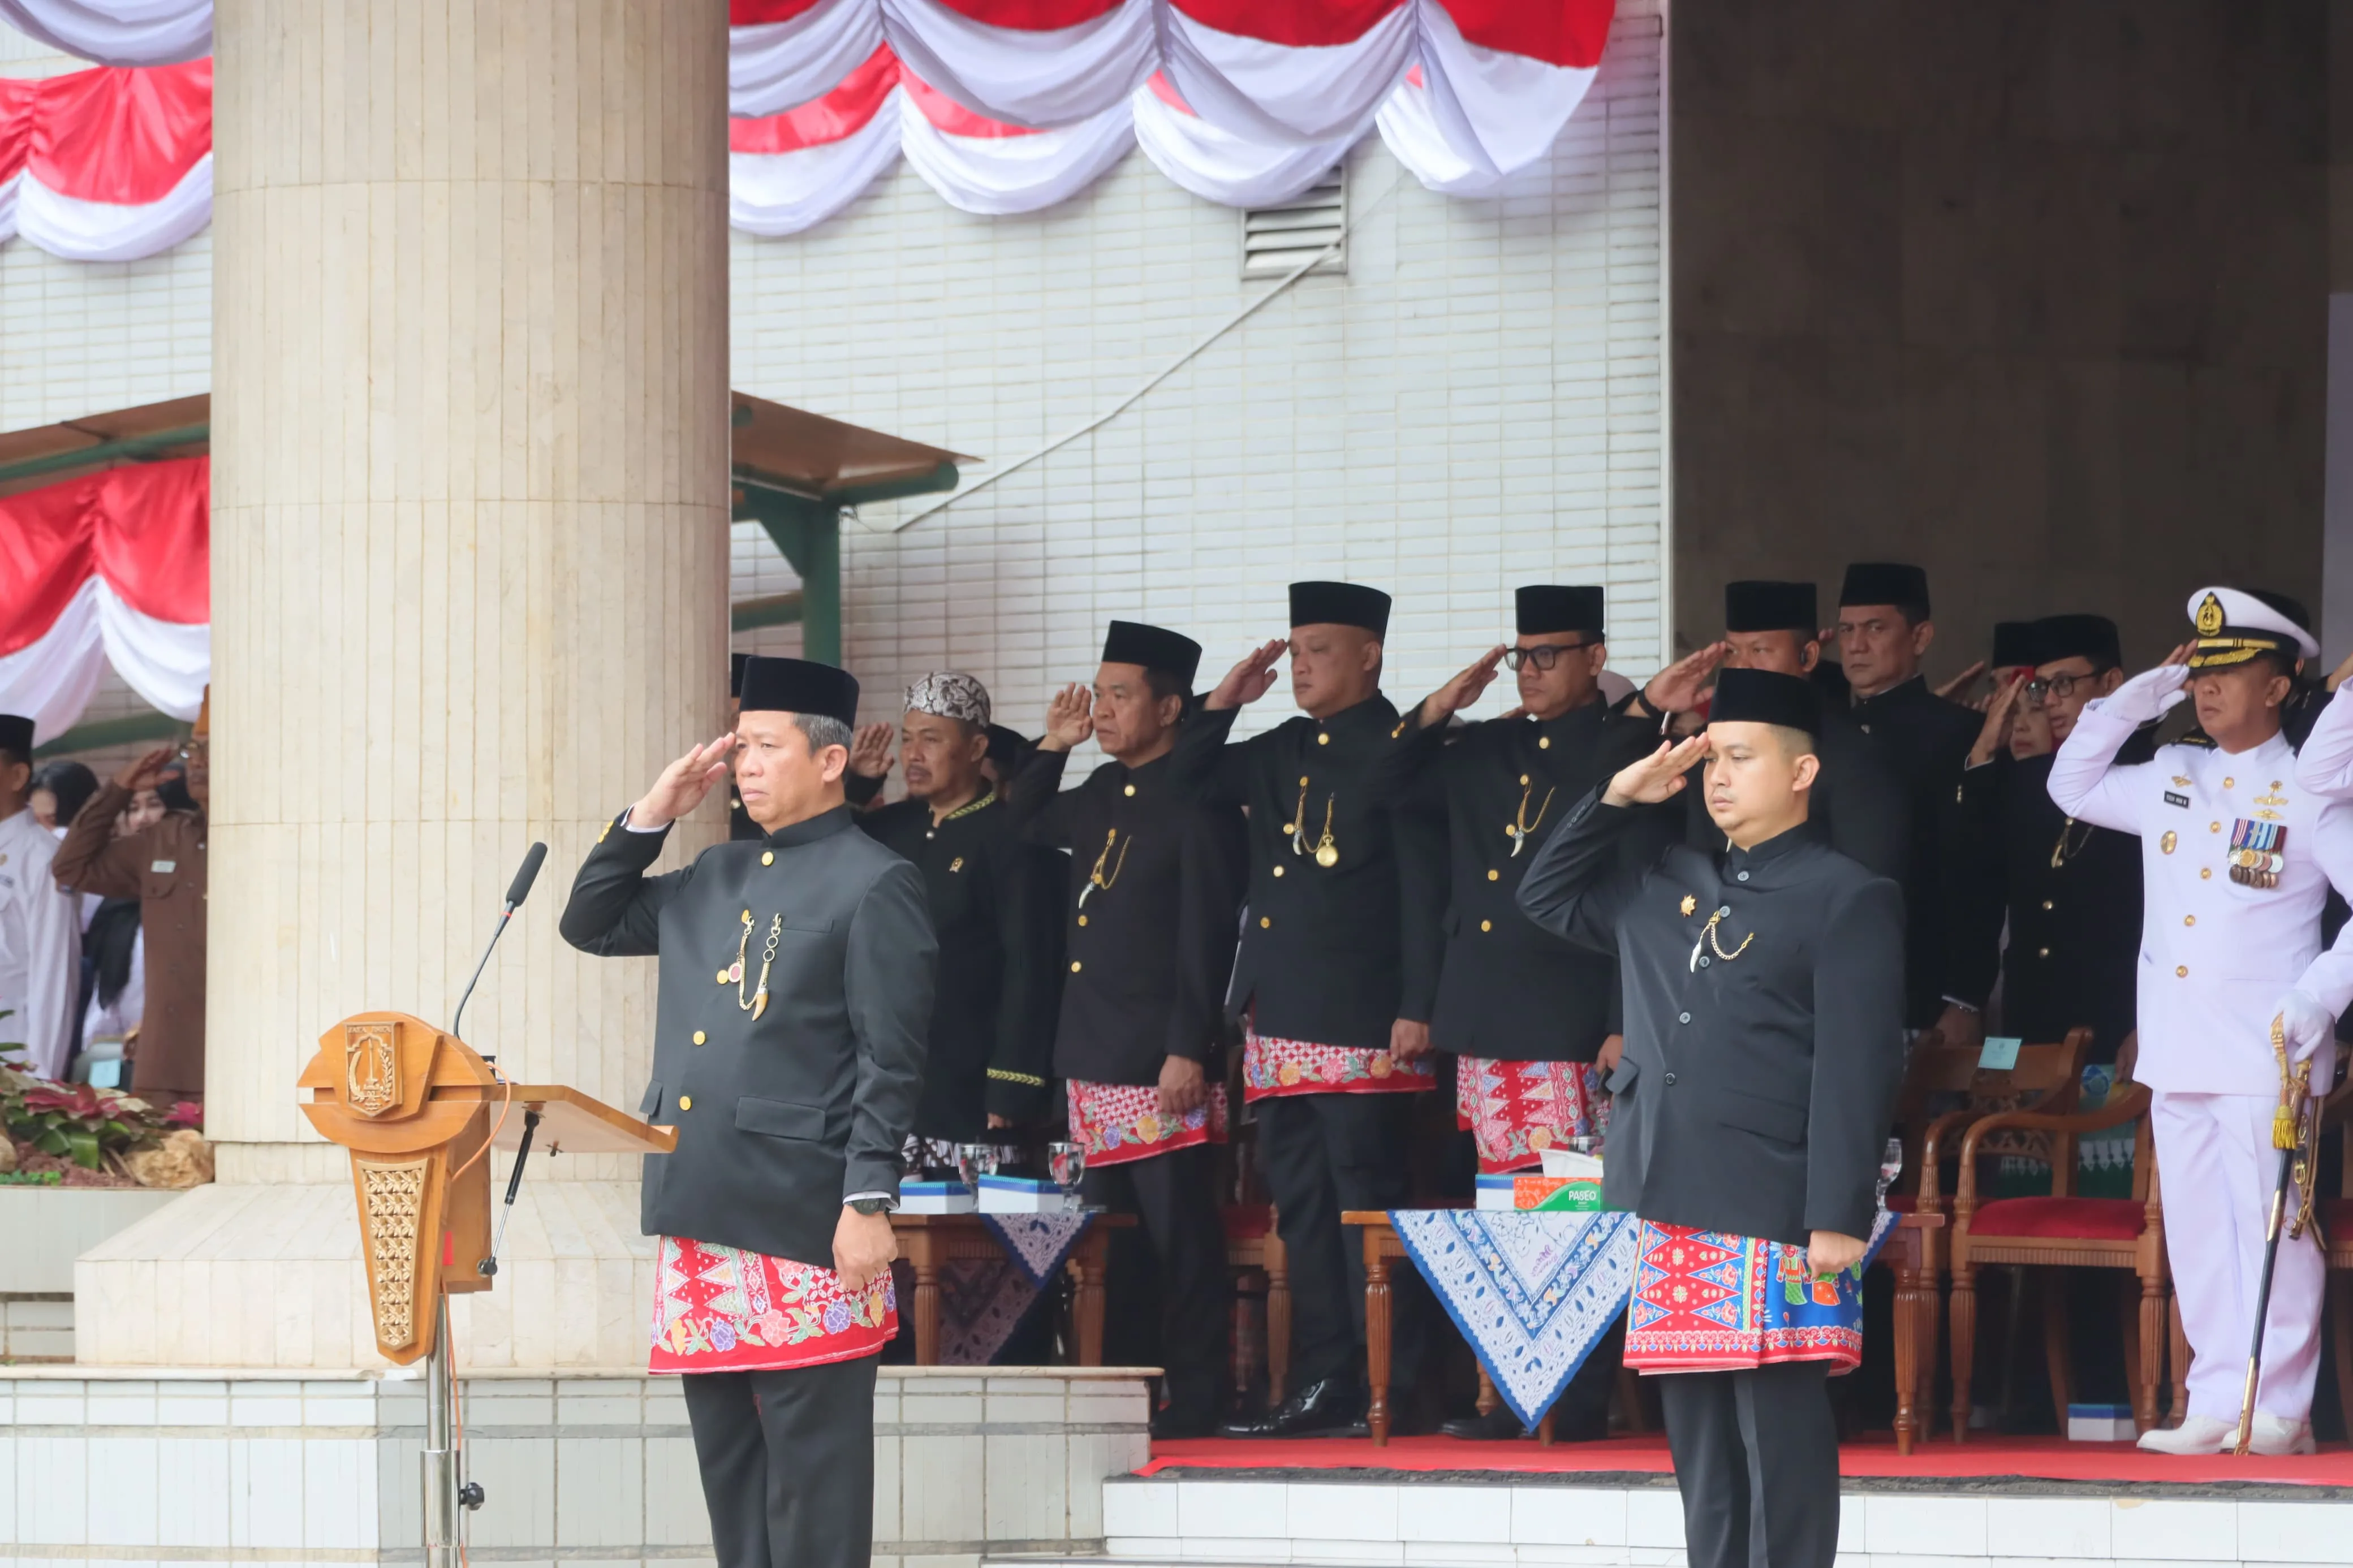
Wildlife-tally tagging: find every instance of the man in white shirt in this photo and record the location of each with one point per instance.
(40, 930)
(2236, 860)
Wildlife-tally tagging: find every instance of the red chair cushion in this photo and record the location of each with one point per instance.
(2073, 1219)
(1245, 1222)
(2337, 1219)
(1902, 1202)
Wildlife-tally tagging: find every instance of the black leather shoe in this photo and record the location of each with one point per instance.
(1498, 1425)
(1332, 1408)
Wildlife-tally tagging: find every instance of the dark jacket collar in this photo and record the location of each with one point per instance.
(1576, 722)
(810, 829)
(1373, 716)
(1775, 855)
(1903, 694)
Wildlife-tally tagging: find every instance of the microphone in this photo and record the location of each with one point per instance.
(517, 890)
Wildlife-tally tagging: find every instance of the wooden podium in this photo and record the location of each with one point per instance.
(419, 1112)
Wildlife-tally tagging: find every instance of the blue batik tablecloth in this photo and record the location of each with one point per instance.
(1533, 1293)
(983, 1299)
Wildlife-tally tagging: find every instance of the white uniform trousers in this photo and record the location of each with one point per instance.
(2215, 1154)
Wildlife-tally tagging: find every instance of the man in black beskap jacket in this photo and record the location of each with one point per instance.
(1156, 888)
(1883, 630)
(992, 906)
(1764, 1050)
(1334, 988)
(1521, 1010)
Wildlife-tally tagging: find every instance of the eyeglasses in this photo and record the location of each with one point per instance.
(1544, 656)
(2062, 686)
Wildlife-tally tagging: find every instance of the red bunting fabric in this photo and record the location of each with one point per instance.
(111, 567)
(1001, 106)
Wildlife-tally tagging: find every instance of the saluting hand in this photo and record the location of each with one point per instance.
(683, 785)
(1996, 728)
(1463, 689)
(1676, 688)
(1658, 776)
(1951, 691)
(1249, 680)
(2152, 693)
(870, 752)
(145, 771)
(1070, 719)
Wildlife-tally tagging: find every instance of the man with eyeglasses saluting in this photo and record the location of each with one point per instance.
(2070, 891)
(1526, 1015)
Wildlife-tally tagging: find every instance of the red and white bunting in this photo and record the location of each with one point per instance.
(1002, 106)
(109, 568)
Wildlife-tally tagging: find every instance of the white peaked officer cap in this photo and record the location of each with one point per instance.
(2234, 625)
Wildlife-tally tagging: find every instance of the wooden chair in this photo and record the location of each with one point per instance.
(1254, 1246)
(2046, 1079)
(2063, 1231)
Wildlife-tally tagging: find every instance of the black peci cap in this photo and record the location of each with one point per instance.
(798, 686)
(1007, 747)
(1157, 648)
(1759, 606)
(735, 663)
(1340, 604)
(1885, 583)
(2017, 643)
(16, 735)
(2078, 637)
(1765, 697)
(1543, 608)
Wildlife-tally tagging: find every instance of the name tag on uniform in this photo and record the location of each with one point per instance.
(2180, 800)
(162, 868)
(2000, 1053)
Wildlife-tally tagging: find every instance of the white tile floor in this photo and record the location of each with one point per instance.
(1251, 1522)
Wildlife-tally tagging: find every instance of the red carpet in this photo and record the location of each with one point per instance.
(2041, 1459)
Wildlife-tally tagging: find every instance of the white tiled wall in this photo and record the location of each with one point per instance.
(179, 1468)
(1204, 1520)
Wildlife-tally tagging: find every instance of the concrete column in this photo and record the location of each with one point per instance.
(470, 589)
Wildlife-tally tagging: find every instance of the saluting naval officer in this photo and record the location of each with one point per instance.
(993, 907)
(1858, 802)
(795, 984)
(1528, 1017)
(2069, 890)
(1333, 989)
(1764, 1050)
(2237, 858)
(1156, 888)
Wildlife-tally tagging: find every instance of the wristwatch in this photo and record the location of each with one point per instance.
(872, 1206)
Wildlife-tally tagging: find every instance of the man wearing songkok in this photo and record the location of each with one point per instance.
(1334, 990)
(1764, 1050)
(796, 983)
(1529, 1018)
(40, 930)
(1859, 805)
(2069, 891)
(993, 908)
(1156, 888)
(2237, 858)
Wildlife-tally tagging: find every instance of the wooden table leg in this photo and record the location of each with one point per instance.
(1278, 1321)
(1377, 1338)
(1488, 1397)
(1909, 1314)
(1544, 1430)
(1087, 1305)
(927, 1310)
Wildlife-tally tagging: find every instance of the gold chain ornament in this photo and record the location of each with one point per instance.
(1520, 826)
(759, 1000)
(1097, 877)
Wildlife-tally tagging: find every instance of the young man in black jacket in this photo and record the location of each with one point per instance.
(1764, 1050)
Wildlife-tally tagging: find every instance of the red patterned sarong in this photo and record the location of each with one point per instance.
(1515, 1110)
(1273, 1067)
(719, 1309)
(1707, 1301)
(1118, 1122)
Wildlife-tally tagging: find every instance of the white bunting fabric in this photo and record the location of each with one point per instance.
(1001, 106)
(117, 32)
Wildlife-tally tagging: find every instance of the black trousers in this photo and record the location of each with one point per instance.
(1322, 1153)
(1185, 1274)
(1756, 1460)
(787, 1461)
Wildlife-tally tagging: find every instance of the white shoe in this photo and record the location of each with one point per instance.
(2196, 1435)
(2276, 1436)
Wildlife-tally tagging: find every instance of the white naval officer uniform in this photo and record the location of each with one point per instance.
(40, 947)
(2217, 956)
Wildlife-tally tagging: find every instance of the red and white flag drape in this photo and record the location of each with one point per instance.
(1001, 106)
(109, 164)
(110, 568)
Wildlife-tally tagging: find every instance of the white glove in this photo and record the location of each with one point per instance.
(2306, 1026)
(2147, 695)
